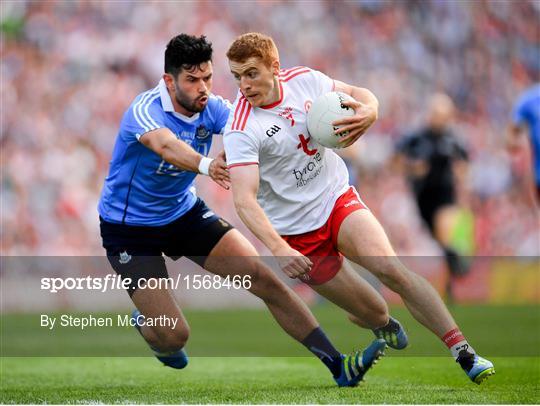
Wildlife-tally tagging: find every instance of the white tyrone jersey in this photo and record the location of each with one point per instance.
(300, 180)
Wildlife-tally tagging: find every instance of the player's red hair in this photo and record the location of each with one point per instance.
(253, 44)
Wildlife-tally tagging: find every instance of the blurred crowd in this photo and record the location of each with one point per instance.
(69, 70)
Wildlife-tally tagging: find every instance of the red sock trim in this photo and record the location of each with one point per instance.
(453, 337)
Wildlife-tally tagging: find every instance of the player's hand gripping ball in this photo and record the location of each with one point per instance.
(325, 110)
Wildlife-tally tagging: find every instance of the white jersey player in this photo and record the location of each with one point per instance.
(293, 194)
(300, 180)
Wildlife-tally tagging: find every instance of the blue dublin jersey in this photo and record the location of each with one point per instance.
(527, 111)
(141, 188)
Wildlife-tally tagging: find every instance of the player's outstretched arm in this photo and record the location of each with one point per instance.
(176, 152)
(366, 108)
(245, 184)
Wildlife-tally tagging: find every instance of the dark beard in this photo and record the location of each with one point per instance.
(185, 102)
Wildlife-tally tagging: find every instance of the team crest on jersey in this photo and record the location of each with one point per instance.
(287, 114)
(202, 132)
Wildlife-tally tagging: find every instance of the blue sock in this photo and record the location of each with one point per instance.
(322, 348)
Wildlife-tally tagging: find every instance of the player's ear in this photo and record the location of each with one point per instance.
(275, 67)
(169, 81)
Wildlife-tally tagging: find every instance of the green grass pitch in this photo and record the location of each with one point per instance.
(277, 370)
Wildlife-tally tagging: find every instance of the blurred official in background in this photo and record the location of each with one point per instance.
(434, 161)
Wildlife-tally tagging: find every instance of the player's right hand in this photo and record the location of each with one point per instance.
(292, 262)
(218, 171)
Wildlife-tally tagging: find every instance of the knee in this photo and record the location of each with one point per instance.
(379, 317)
(173, 339)
(264, 283)
(376, 317)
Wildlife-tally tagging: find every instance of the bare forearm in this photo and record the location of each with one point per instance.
(255, 219)
(174, 151)
(181, 155)
(365, 96)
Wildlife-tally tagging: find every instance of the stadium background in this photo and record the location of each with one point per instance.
(68, 71)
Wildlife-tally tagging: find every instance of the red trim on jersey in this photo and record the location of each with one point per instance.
(242, 164)
(240, 107)
(294, 74)
(236, 110)
(285, 72)
(246, 115)
(271, 106)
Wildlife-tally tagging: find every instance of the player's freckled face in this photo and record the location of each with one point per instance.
(191, 89)
(257, 81)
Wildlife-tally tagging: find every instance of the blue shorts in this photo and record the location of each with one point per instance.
(137, 251)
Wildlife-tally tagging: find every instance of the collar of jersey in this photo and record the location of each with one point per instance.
(166, 102)
(277, 103)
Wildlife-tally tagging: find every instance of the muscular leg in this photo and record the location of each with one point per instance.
(362, 239)
(234, 255)
(158, 302)
(352, 293)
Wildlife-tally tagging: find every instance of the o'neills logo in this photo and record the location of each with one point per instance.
(309, 172)
(352, 202)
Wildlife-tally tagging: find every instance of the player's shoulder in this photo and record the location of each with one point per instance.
(242, 118)
(529, 97)
(217, 108)
(533, 93)
(295, 73)
(216, 102)
(147, 98)
(145, 109)
(458, 142)
(410, 141)
(306, 81)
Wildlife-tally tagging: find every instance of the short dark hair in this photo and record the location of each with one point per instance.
(186, 52)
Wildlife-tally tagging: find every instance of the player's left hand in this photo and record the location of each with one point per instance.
(218, 171)
(358, 124)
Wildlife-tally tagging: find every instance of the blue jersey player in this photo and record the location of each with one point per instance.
(526, 115)
(148, 208)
